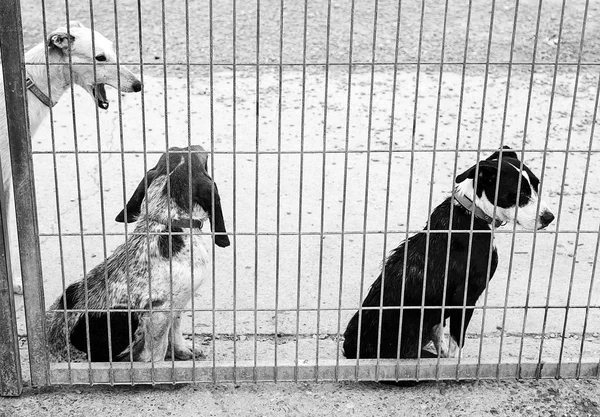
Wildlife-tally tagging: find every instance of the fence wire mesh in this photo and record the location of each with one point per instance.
(333, 129)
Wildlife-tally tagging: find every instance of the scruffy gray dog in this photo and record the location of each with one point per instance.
(135, 282)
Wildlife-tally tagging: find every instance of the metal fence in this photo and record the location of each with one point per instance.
(333, 129)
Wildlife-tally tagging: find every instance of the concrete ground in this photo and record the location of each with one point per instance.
(558, 273)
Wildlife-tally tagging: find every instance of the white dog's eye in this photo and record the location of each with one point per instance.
(101, 58)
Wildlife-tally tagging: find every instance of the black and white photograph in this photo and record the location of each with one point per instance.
(313, 207)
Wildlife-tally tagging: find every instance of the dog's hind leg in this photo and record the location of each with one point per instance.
(458, 331)
(438, 340)
(182, 348)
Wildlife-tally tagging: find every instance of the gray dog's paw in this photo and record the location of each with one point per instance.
(186, 353)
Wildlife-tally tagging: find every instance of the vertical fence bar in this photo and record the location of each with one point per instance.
(523, 143)
(11, 383)
(278, 204)
(387, 190)
(257, 144)
(433, 161)
(463, 325)
(512, 246)
(585, 179)
(101, 193)
(168, 188)
(211, 81)
(57, 197)
(122, 145)
(79, 199)
(300, 189)
(344, 194)
(543, 169)
(367, 172)
(11, 47)
(562, 187)
(408, 213)
(589, 300)
(323, 182)
(190, 192)
(594, 263)
(413, 141)
(234, 235)
(454, 172)
(146, 208)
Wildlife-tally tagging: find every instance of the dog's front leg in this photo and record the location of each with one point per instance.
(182, 349)
(154, 330)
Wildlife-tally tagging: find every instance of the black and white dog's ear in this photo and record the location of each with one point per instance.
(134, 205)
(506, 153)
(469, 173)
(60, 40)
(488, 170)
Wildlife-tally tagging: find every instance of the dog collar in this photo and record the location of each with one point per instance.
(468, 205)
(30, 85)
(185, 223)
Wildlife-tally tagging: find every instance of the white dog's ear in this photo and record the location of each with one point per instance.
(60, 39)
(76, 24)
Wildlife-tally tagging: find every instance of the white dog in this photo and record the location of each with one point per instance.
(77, 42)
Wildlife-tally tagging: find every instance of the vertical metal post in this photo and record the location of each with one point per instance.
(10, 371)
(11, 45)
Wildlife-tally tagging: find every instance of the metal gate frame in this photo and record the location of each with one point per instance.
(11, 383)
(23, 185)
(44, 373)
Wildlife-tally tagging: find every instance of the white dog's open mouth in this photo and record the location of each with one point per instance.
(99, 93)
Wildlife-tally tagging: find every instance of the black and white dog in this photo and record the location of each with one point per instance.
(465, 201)
(140, 274)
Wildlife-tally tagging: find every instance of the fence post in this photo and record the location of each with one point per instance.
(13, 66)
(10, 370)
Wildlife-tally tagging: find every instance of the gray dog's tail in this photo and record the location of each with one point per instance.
(58, 329)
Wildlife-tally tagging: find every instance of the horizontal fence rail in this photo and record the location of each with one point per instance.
(333, 128)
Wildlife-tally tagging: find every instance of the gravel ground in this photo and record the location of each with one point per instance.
(539, 398)
(556, 255)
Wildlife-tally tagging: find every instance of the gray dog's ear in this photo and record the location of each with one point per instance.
(217, 222)
(60, 39)
(202, 187)
(204, 190)
(134, 205)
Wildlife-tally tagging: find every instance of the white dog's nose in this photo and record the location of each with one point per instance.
(137, 86)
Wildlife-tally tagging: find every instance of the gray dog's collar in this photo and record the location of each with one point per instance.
(30, 85)
(186, 223)
(468, 205)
